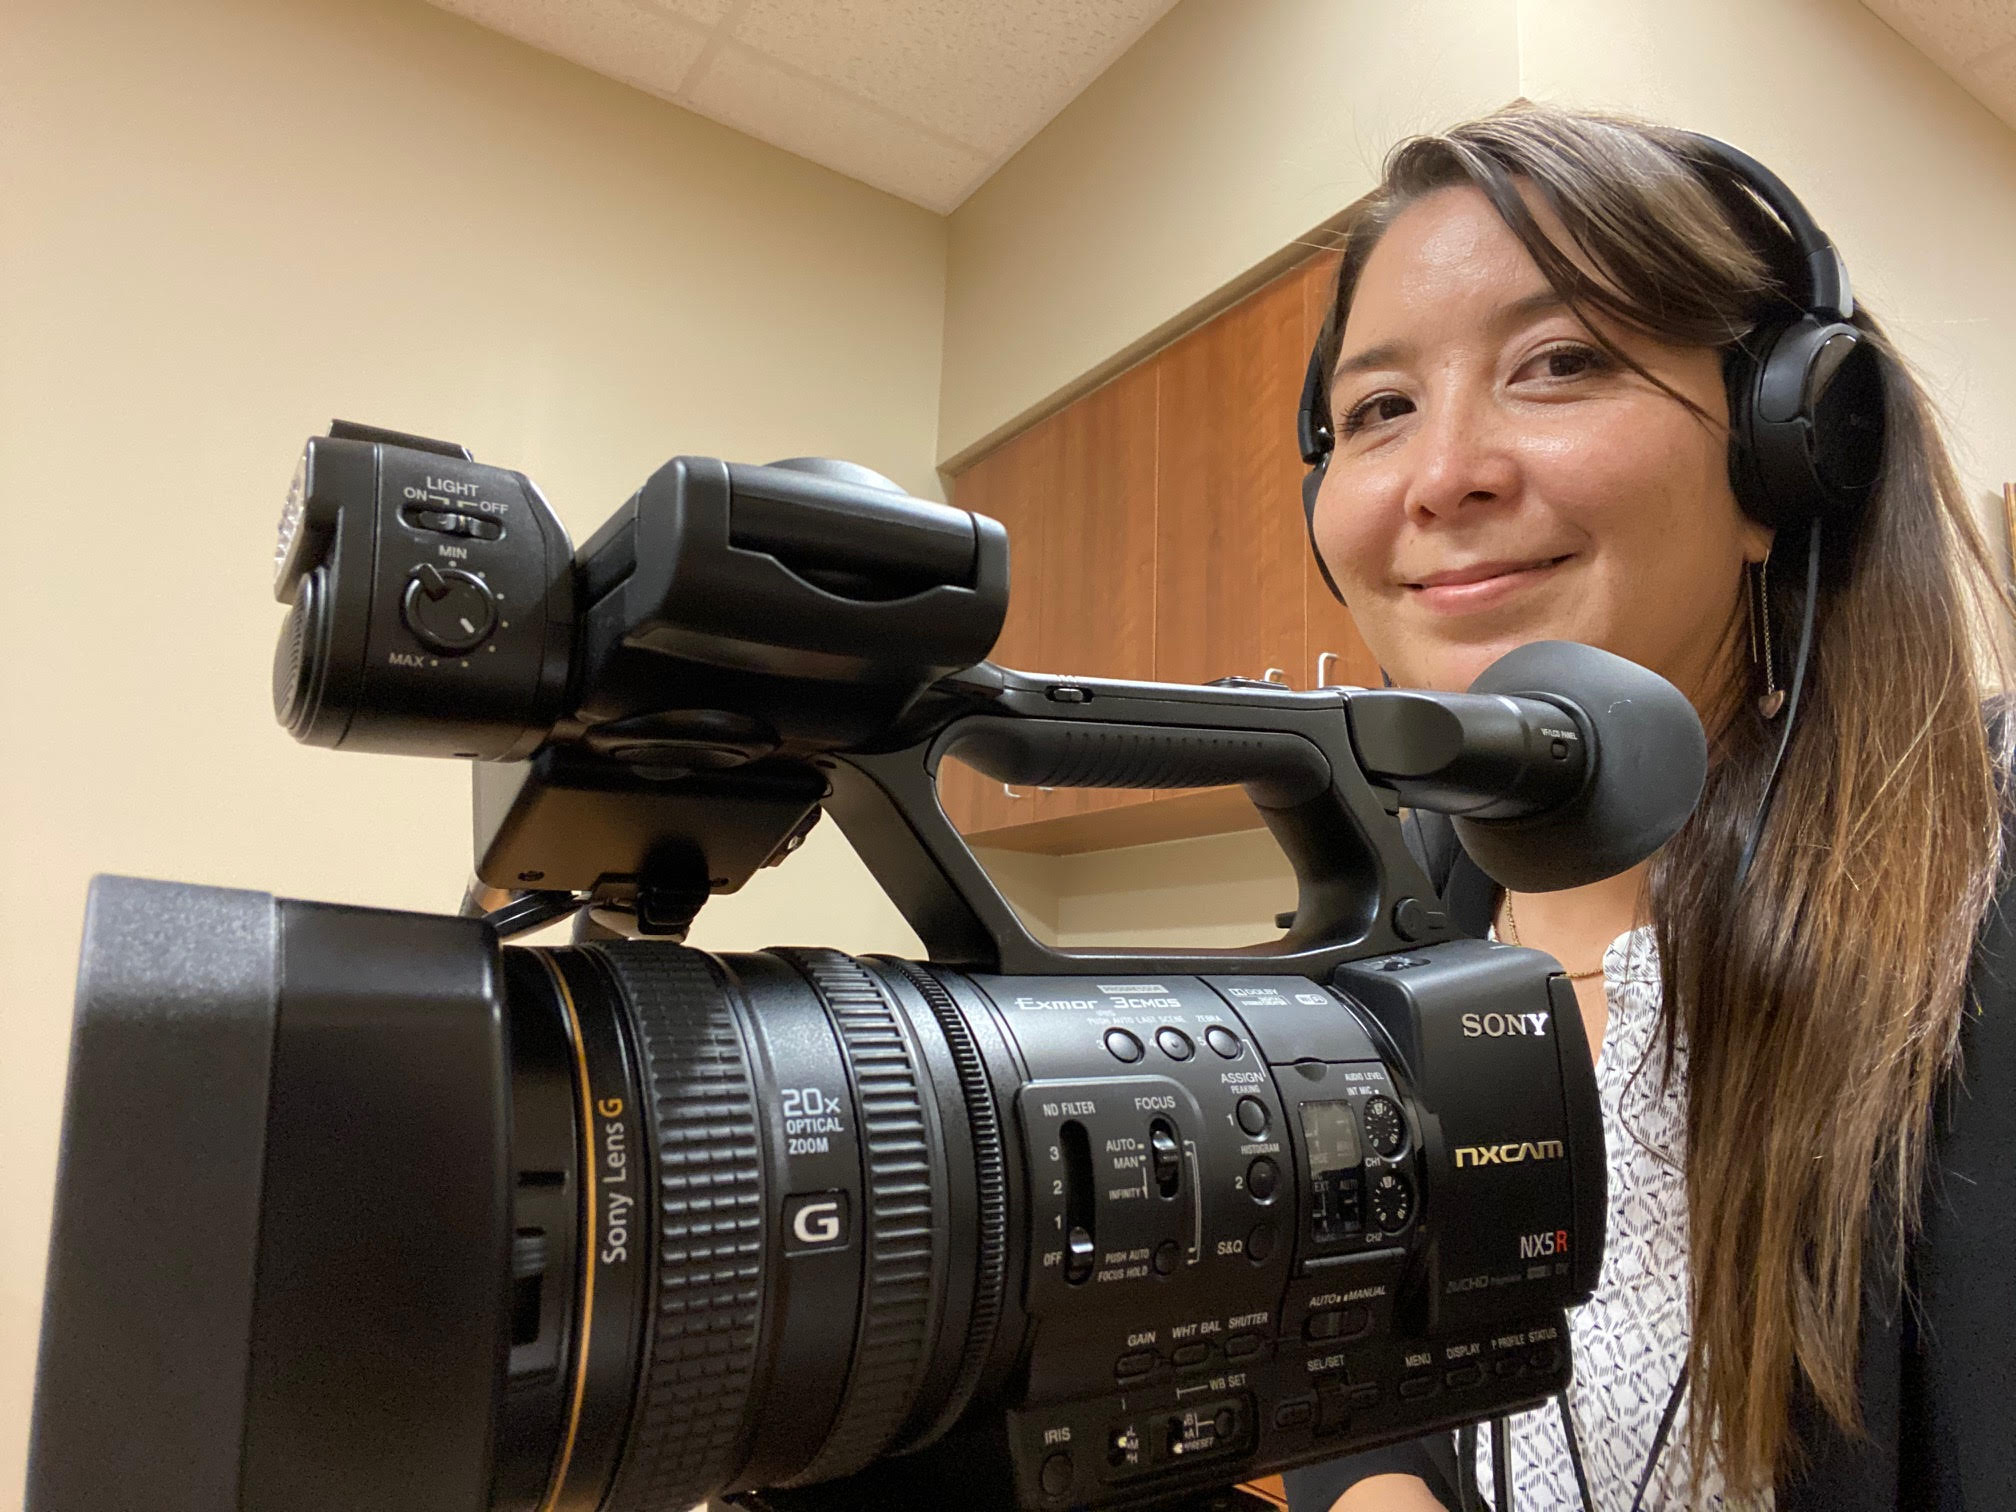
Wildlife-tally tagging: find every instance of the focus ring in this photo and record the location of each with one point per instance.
(899, 1243)
(990, 1169)
(699, 1350)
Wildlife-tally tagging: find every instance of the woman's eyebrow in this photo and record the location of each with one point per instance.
(1507, 316)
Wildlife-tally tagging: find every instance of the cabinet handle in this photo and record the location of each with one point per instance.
(1323, 660)
(1275, 675)
(1011, 792)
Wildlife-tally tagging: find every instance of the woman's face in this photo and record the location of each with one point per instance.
(1498, 479)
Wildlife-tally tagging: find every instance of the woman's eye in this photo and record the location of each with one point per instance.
(1371, 411)
(1570, 361)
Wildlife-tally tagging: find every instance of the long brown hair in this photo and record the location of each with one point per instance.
(1820, 1005)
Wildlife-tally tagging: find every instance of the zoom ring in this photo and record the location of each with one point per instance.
(990, 1169)
(700, 1349)
(900, 1248)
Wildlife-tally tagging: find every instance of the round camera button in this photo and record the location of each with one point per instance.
(1056, 1477)
(1224, 1042)
(1175, 1044)
(1253, 1116)
(1260, 1243)
(1124, 1046)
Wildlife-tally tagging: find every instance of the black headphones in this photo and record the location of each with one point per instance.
(1805, 391)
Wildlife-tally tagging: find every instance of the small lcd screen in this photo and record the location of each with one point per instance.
(1331, 1133)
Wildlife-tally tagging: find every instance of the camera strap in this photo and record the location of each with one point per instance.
(1659, 1438)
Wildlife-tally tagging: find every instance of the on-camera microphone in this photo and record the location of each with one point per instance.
(1562, 765)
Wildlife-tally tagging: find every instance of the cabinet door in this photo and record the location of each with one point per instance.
(1229, 535)
(1333, 652)
(1099, 582)
(1012, 484)
(1230, 538)
(1077, 493)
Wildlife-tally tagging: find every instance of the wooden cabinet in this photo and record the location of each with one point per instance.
(1157, 532)
(1077, 493)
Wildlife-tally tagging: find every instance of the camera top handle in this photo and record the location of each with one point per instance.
(1563, 763)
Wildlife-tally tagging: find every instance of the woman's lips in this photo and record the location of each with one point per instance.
(1482, 585)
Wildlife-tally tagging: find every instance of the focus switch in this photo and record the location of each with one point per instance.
(451, 612)
(1224, 1042)
(1167, 1158)
(1123, 1046)
(1131, 1366)
(1057, 1474)
(1252, 1114)
(1167, 1254)
(1175, 1044)
(1078, 1256)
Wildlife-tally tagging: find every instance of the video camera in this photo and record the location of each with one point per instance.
(360, 1209)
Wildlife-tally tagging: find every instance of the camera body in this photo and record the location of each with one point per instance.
(1013, 1226)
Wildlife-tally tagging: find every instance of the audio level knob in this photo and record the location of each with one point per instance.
(1392, 1201)
(1385, 1130)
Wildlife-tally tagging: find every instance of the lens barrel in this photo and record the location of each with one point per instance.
(787, 1183)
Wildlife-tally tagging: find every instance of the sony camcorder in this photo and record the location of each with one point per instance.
(361, 1209)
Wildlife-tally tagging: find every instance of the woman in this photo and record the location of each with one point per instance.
(1525, 367)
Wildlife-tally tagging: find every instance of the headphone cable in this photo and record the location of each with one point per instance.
(1763, 813)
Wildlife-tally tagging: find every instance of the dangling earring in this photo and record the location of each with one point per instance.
(1758, 582)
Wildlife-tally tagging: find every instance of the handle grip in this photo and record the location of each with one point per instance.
(1278, 769)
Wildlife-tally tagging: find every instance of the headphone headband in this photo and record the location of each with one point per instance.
(1827, 290)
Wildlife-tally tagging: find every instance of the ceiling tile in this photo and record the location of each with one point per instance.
(1993, 82)
(987, 74)
(1951, 31)
(814, 120)
(706, 12)
(629, 40)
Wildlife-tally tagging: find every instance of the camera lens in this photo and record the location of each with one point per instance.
(760, 1221)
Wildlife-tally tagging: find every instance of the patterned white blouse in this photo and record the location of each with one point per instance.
(1630, 1339)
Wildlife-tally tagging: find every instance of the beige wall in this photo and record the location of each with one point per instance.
(223, 222)
(1913, 178)
(1229, 130)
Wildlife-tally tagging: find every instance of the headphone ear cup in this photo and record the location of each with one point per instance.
(1805, 421)
(1312, 485)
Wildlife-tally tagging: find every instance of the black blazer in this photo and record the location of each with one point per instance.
(1938, 1369)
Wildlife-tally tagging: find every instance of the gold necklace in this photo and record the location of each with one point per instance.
(1512, 929)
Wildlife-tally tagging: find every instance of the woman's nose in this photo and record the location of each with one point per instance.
(1459, 458)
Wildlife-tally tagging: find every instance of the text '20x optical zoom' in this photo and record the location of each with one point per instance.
(761, 1221)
